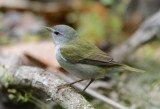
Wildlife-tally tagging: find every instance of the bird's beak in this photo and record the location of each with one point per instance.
(49, 29)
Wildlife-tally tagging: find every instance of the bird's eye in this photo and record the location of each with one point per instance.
(56, 32)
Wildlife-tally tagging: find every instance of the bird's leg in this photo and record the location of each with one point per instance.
(88, 84)
(70, 84)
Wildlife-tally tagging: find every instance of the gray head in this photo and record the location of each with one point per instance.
(63, 34)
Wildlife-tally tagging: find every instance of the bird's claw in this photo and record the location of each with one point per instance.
(64, 85)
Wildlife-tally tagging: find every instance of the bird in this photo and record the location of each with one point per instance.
(81, 57)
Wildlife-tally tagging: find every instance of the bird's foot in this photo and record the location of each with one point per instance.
(63, 86)
(68, 85)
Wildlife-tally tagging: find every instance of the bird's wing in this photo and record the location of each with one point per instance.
(82, 51)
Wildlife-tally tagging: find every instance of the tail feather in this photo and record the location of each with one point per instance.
(131, 69)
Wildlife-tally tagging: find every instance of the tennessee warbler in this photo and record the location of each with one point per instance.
(82, 58)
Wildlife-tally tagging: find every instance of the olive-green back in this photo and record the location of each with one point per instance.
(83, 51)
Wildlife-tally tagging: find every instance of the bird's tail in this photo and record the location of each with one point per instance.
(131, 69)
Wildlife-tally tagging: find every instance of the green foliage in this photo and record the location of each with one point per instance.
(6, 76)
(148, 51)
(26, 96)
(13, 91)
(22, 98)
(120, 8)
(19, 96)
(101, 23)
(3, 66)
(6, 84)
(107, 2)
(91, 26)
(11, 96)
(116, 74)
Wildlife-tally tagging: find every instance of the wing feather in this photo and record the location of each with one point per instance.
(82, 51)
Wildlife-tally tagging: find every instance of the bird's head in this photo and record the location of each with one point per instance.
(63, 34)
